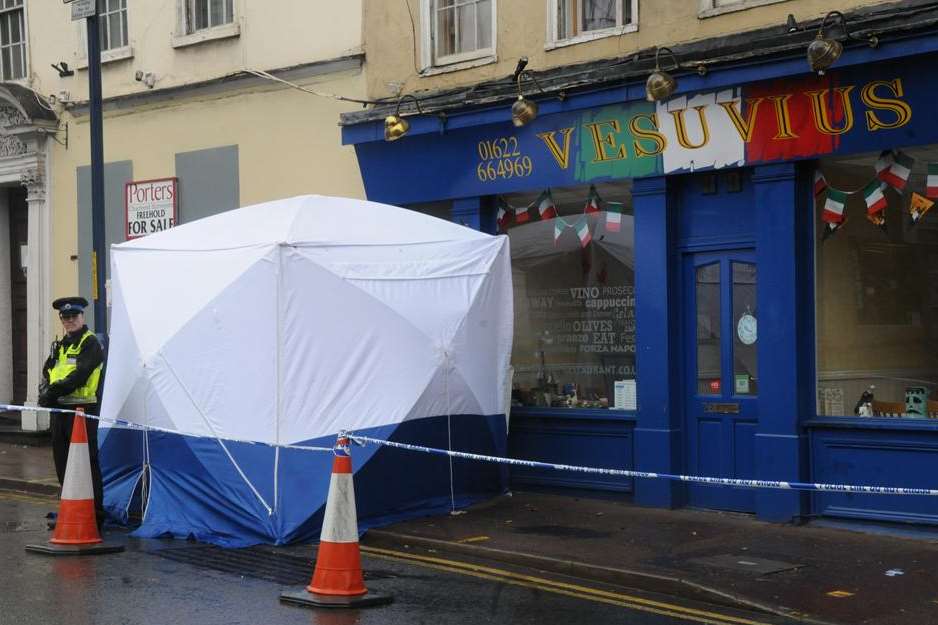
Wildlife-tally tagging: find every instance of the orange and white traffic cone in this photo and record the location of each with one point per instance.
(338, 581)
(76, 528)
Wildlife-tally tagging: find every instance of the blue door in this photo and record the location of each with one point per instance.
(721, 376)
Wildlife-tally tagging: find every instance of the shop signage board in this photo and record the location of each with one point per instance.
(852, 110)
(150, 206)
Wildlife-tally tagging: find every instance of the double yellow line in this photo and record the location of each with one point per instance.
(562, 588)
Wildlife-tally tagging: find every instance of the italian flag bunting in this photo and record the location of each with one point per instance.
(931, 182)
(545, 205)
(820, 183)
(559, 227)
(583, 232)
(521, 215)
(875, 200)
(919, 206)
(592, 201)
(834, 206)
(503, 218)
(884, 162)
(833, 214)
(613, 216)
(897, 174)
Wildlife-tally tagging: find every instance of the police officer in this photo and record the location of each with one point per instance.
(70, 378)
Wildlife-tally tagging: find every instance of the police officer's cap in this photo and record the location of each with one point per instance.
(70, 305)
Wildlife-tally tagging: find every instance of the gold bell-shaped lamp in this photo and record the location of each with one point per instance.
(824, 51)
(660, 84)
(395, 126)
(523, 111)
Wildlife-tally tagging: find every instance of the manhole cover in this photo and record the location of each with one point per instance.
(562, 531)
(757, 566)
(256, 562)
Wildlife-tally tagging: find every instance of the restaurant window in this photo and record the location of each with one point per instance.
(877, 285)
(574, 296)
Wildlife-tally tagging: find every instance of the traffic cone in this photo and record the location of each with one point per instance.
(338, 581)
(76, 529)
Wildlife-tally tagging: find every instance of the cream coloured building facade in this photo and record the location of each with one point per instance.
(180, 101)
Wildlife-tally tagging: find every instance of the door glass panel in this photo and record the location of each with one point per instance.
(708, 329)
(745, 327)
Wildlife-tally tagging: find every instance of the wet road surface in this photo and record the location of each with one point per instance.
(170, 582)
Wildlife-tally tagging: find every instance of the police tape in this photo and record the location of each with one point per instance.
(712, 481)
(534, 464)
(153, 428)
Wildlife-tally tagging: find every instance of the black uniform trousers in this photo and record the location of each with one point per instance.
(61, 428)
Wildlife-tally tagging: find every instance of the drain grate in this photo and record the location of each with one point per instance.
(257, 562)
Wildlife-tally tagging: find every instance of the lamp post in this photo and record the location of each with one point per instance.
(88, 10)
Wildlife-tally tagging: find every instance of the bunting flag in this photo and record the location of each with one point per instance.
(613, 216)
(545, 205)
(503, 218)
(521, 214)
(897, 174)
(919, 206)
(884, 162)
(820, 182)
(592, 201)
(583, 232)
(875, 200)
(931, 182)
(834, 206)
(559, 227)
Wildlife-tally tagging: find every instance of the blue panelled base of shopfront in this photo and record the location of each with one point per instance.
(765, 209)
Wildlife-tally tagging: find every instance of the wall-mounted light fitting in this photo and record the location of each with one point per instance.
(147, 78)
(824, 51)
(62, 68)
(396, 126)
(660, 84)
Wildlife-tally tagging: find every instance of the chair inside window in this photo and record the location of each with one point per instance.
(932, 408)
(888, 408)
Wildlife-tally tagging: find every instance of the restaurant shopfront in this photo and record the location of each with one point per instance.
(708, 285)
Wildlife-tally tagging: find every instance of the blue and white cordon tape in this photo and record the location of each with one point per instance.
(697, 479)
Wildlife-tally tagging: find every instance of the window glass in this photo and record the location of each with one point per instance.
(113, 24)
(745, 330)
(461, 27)
(574, 282)
(12, 40)
(202, 14)
(877, 287)
(575, 17)
(709, 352)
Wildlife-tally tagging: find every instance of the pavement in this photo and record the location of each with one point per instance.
(815, 573)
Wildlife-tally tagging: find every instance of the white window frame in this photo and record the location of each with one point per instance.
(107, 56)
(708, 8)
(185, 36)
(553, 27)
(431, 65)
(25, 44)
(104, 21)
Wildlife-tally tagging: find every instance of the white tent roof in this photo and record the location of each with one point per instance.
(294, 319)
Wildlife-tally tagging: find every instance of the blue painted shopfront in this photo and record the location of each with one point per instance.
(719, 190)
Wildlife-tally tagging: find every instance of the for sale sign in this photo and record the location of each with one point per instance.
(150, 206)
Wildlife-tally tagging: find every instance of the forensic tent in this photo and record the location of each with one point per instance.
(237, 338)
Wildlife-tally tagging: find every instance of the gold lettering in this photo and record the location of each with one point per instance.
(744, 127)
(649, 135)
(900, 109)
(680, 128)
(783, 116)
(600, 141)
(560, 153)
(822, 115)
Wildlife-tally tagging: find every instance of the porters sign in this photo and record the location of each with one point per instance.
(150, 206)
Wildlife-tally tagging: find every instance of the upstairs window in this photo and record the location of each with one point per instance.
(113, 23)
(710, 8)
(12, 40)
(460, 30)
(204, 14)
(589, 19)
